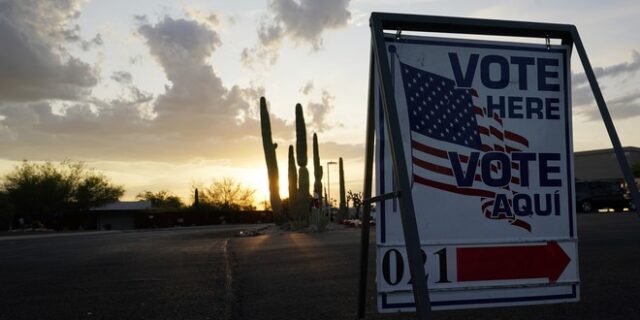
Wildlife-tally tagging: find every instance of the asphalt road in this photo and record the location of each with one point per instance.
(158, 274)
(205, 273)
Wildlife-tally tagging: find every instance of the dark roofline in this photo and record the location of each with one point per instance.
(605, 151)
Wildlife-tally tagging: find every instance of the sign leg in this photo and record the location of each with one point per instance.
(368, 177)
(606, 118)
(407, 210)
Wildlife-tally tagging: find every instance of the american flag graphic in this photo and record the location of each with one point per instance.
(443, 115)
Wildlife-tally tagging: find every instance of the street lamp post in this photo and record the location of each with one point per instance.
(329, 183)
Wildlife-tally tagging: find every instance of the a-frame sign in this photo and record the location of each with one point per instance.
(474, 164)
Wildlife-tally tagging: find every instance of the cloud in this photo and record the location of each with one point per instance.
(122, 77)
(47, 111)
(34, 62)
(181, 48)
(196, 116)
(307, 88)
(267, 51)
(86, 45)
(303, 22)
(582, 96)
(196, 101)
(624, 107)
(620, 69)
(209, 18)
(332, 150)
(319, 111)
(141, 19)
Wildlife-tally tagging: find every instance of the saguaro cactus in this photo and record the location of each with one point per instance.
(293, 179)
(270, 156)
(317, 170)
(301, 157)
(343, 214)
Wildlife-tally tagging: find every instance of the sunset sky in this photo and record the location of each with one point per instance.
(164, 94)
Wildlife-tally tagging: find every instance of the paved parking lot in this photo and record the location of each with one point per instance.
(315, 276)
(178, 273)
(207, 273)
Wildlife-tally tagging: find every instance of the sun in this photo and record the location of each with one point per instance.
(257, 179)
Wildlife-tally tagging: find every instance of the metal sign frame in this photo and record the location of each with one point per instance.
(379, 66)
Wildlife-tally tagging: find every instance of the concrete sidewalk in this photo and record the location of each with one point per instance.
(54, 234)
(51, 234)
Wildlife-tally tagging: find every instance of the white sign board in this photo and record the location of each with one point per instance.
(486, 130)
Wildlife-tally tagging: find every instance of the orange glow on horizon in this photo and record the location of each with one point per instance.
(257, 179)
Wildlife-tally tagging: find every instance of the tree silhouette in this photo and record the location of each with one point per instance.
(227, 194)
(161, 199)
(40, 190)
(356, 200)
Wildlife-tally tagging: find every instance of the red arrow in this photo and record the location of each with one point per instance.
(515, 262)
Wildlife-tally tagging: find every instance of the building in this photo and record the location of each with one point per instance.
(602, 164)
(119, 215)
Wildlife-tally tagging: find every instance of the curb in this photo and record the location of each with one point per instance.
(53, 235)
